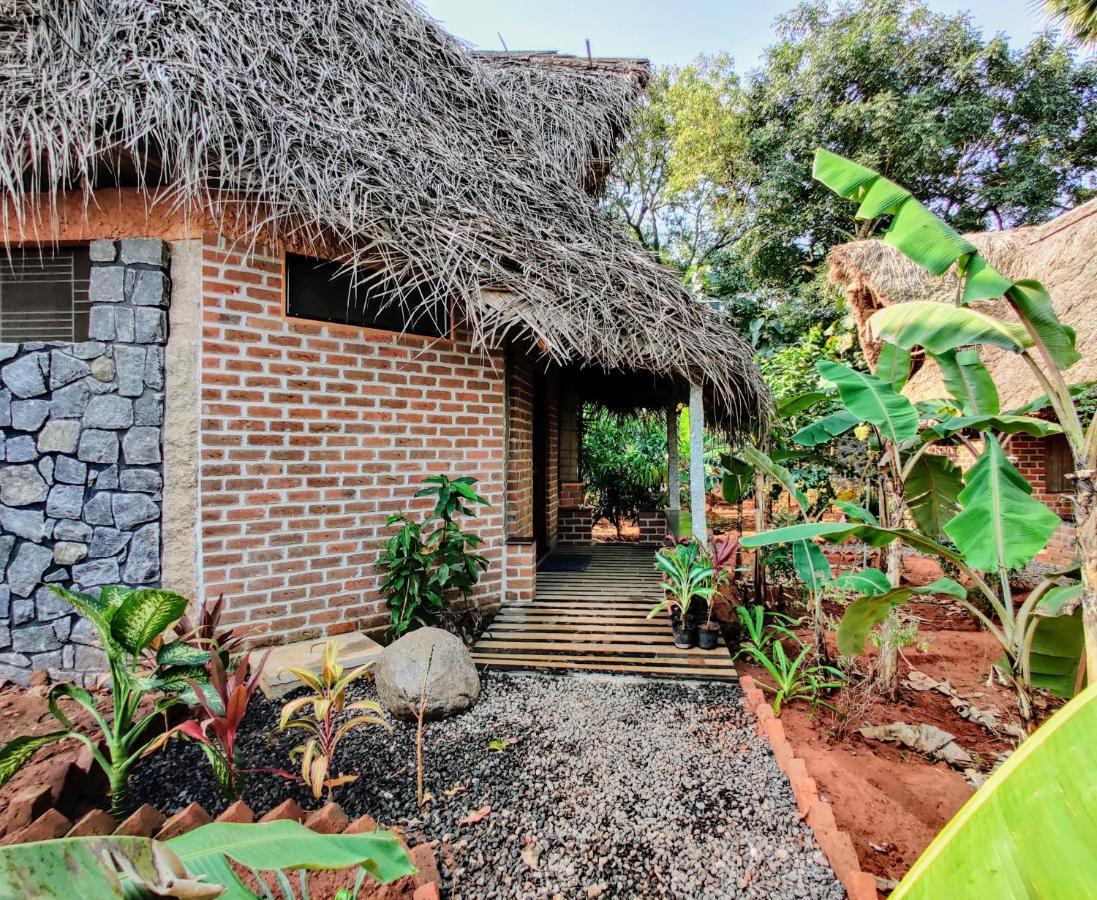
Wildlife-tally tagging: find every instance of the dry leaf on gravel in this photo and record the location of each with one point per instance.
(455, 790)
(474, 817)
(531, 854)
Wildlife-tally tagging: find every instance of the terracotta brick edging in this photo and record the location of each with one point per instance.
(833, 841)
(146, 821)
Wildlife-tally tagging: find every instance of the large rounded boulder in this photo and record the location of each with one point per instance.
(451, 685)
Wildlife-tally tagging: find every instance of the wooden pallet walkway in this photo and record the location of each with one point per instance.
(596, 620)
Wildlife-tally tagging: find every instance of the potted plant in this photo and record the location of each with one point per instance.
(722, 559)
(687, 576)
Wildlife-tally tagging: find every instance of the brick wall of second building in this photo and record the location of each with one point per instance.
(311, 436)
(1030, 455)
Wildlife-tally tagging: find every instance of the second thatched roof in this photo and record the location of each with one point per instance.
(361, 126)
(1061, 253)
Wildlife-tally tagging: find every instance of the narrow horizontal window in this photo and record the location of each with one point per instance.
(44, 294)
(326, 291)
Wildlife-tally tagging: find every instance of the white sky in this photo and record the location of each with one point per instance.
(668, 32)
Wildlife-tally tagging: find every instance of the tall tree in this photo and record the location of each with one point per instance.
(1079, 17)
(989, 135)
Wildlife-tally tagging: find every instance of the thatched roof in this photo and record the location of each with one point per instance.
(1061, 253)
(361, 126)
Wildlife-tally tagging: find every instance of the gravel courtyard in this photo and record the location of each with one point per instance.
(605, 788)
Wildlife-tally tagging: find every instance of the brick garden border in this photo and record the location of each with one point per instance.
(834, 842)
(33, 815)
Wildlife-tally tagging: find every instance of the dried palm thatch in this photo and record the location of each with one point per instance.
(361, 127)
(1061, 253)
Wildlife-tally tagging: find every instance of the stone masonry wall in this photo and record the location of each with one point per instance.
(81, 475)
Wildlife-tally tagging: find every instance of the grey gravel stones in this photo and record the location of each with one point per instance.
(81, 471)
(622, 789)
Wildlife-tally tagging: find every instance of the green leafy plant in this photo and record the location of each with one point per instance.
(426, 564)
(761, 627)
(197, 864)
(326, 730)
(215, 729)
(623, 464)
(207, 633)
(129, 622)
(797, 678)
(1003, 844)
(688, 575)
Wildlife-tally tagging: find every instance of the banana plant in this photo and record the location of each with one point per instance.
(1031, 830)
(197, 864)
(130, 622)
(1040, 637)
(1040, 341)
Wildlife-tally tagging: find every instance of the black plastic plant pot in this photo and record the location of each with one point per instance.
(684, 637)
(708, 637)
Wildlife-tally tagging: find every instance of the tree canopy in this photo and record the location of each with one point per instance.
(717, 177)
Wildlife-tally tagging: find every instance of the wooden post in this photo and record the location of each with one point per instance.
(674, 479)
(697, 463)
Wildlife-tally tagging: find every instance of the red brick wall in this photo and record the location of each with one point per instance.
(311, 435)
(519, 472)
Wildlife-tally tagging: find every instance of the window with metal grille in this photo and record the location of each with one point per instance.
(1058, 464)
(326, 291)
(44, 294)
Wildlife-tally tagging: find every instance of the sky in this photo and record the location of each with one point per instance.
(673, 33)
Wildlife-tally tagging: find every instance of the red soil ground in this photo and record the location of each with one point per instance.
(891, 800)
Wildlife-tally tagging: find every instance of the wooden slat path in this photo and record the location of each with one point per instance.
(596, 620)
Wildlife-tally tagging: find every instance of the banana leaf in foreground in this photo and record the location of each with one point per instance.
(1031, 830)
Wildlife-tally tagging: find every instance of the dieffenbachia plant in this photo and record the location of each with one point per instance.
(130, 622)
(1039, 339)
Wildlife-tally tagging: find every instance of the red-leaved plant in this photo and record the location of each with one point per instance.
(208, 633)
(213, 728)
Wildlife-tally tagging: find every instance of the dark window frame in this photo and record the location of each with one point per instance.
(18, 322)
(302, 273)
(1058, 463)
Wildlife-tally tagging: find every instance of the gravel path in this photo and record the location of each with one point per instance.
(607, 787)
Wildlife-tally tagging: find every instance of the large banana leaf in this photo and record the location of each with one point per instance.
(931, 488)
(777, 472)
(939, 327)
(285, 844)
(1030, 832)
(914, 230)
(143, 615)
(1003, 424)
(866, 582)
(811, 565)
(1056, 651)
(1001, 525)
(825, 429)
(97, 868)
(859, 513)
(968, 381)
(865, 613)
(837, 532)
(893, 365)
(797, 403)
(871, 399)
(1032, 303)
(736, 478)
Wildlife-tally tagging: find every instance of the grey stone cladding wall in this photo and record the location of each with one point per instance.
(81, 474)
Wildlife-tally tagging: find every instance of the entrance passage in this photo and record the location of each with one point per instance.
(589, 613)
